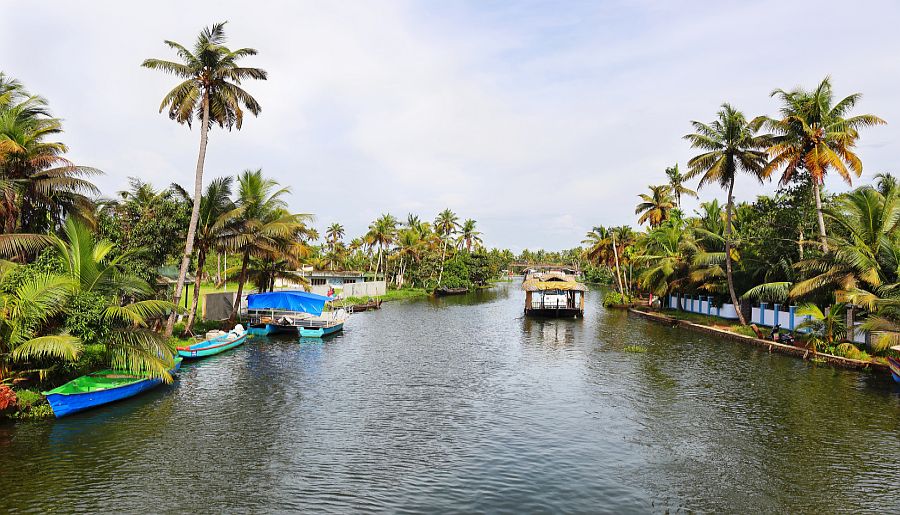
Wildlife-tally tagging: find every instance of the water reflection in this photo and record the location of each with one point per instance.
(461, 404)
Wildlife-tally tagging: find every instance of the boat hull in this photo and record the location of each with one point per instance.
(894, 364)
(67, 404)
(318, 332)
(209, 348)
(555, 313)
(267, 329)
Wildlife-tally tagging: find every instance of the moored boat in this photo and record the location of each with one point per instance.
(444, 291)
(99, 388)
(894, 364)
(215, 344)
(366, 306)
(298, 311)
(553, 293)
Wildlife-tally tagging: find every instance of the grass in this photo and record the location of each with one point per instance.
(403, 294)
(635, 348)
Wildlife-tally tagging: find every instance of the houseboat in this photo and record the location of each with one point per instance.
(293, 311)
(553, 293)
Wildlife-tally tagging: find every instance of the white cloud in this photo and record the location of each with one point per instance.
(396, 106)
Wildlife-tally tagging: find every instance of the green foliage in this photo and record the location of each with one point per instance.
(598, 274)
(637, 349)
(148, 224)
(28, 398)
(84, 317)
(614, 298)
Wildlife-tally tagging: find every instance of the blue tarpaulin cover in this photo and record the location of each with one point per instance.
(288, 301)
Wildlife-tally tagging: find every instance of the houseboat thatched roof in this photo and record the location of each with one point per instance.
(553, 281)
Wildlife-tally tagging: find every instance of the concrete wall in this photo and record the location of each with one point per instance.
(217, 306)
(367, 289)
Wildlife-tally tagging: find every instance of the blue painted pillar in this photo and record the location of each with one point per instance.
(709, 305)
(776, 306)
(762, 313)
(718, 311)
(692, 303)
(791, 311)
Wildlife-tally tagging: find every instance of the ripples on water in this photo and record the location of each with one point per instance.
(461, 404)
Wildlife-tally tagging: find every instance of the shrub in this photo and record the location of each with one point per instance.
(28, 398)
(614, 298)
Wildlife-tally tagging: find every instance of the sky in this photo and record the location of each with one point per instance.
(538, 119)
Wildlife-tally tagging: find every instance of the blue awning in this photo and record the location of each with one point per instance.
(289, 301)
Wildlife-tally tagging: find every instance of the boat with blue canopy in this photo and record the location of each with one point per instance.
(293, 310)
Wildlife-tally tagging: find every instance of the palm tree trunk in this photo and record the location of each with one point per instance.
(818, 196)
(240, 290)
(618, 272)
(443, 255)
(195, 214)
(728, 268)
(192, 313)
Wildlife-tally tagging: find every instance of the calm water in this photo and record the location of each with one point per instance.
(462, 405)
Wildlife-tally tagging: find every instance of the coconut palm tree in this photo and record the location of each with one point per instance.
(676, 183)
(210, 93)
(40, 186)
(468, 236)
(445, 225)
(667, 257)
(382, 233)
(815, 135)
(656, 206)
(334, 233)
(730, 145)
(267, 229)
(219, 219)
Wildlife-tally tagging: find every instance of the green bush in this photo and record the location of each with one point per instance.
(614, 298)
(28, 398)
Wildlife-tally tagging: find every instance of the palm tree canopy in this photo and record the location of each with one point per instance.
(210, 71)
(731, 145)
(816, 134)
(656, 206)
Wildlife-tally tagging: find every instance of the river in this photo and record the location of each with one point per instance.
(462, 405)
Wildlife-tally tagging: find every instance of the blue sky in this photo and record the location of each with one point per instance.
(482, 107)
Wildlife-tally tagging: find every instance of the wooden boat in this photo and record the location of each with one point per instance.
(215, 345)
(100, 388)
(894, 364)
(366, 306)
(553, 293)
(443, 291)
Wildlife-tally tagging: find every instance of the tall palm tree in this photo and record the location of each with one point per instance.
(40, 186)
(267, 229)
(656, 206)
(468, 236)
(445, 225)
(731, 145)
(815, 135)
(382, 233)
(676, 183)
(219, 219)
(210, 93)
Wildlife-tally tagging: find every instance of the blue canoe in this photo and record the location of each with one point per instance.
(213, 346)
(99, 388)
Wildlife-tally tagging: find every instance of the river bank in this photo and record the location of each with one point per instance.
(730, 332)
